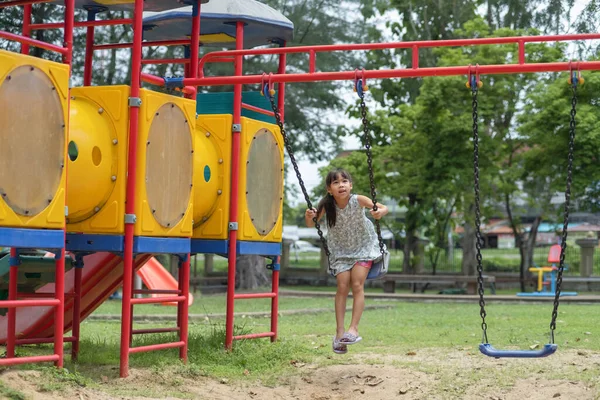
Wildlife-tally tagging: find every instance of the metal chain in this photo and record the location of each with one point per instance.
(300, 181)
(563, 244)
(367, 140)
(479, 239)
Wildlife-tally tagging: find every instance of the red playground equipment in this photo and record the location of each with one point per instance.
(213, 208)
(547, 276)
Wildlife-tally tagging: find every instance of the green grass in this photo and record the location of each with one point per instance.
(494, 260)
(10, 393)
(403, 328)
(217, 304)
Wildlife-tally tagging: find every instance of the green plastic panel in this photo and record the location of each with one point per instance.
(222, 103)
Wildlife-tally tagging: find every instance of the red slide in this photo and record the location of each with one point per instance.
(155, 276)
(101, 276)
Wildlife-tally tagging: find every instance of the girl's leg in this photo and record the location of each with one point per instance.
(341, 295)
(358, 277)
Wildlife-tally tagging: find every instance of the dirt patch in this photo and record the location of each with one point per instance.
(423, 374)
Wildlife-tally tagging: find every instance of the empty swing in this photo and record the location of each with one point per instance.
(381, 264)
(485, 347)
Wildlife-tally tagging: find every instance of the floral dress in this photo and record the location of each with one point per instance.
(353, 238)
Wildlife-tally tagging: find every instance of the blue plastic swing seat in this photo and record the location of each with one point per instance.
(489, 350)
(380, 267)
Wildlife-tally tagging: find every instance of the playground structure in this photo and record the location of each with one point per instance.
(94, 180)
(546, 276)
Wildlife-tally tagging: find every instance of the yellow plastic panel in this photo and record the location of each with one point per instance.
(164, 166)
(32, 173)
(97, 151)
(212, 151)
(261, 149)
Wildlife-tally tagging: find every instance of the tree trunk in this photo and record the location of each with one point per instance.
(469, 259)
(527, 248)
(251, 272)
(209, 264)
(411, 227)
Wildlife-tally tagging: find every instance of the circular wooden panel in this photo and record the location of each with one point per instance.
(32, 140)
(264, 181)
(169, 161)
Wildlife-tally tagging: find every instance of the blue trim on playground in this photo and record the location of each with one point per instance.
(78, 242)
(32, 238)
(160, 245)
(545, 294)
(203, 246)
(259, 248)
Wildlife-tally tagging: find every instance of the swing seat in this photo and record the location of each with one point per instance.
(380, 266)
(489, 350)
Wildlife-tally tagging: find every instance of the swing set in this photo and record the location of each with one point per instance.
(381, 264)
(473, 72)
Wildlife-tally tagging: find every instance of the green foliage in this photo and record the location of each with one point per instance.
(546, 125)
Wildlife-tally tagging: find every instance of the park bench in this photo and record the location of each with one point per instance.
(581, 279)
(389, 281)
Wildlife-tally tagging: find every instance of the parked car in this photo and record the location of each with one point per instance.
(302, 246)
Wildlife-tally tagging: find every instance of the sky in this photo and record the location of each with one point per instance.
(309, 171)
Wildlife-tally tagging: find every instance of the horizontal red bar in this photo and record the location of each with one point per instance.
(402, 45)
(33, 42)
(257, 109)
(254, 335)
(397, 73)
(83, 24)
(41, 295)
(158, 300)
(28, 303)
(254, 296)
(13, 3)
(180, 42)
(154, 330)
(44, 340)
(28, 360)
(155, 291)
(153, 347)
(167, 61)
(153, 79)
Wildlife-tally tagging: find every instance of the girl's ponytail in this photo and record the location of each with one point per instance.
(328, 203)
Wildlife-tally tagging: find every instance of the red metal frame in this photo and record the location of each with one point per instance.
(233, 207)
(312, 76)
(235, 176)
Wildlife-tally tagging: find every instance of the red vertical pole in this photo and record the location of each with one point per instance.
(59, 310)
(195, 41)
(281, 87)
(179, 282)
(59, 281)
(12, 295)
(136, 67)
(89, 50)
(235, 173)
(275, 300)
(275, 278)
(76, 308)
(26, 27)
(183, 309)
(68, 34)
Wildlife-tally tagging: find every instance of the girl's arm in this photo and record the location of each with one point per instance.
(310, 214)
(364, 201)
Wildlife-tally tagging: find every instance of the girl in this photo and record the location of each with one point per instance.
(353, 246)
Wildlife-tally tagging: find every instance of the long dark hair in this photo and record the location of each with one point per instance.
(328, 202)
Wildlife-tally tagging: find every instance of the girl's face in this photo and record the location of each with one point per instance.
(340, 188)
